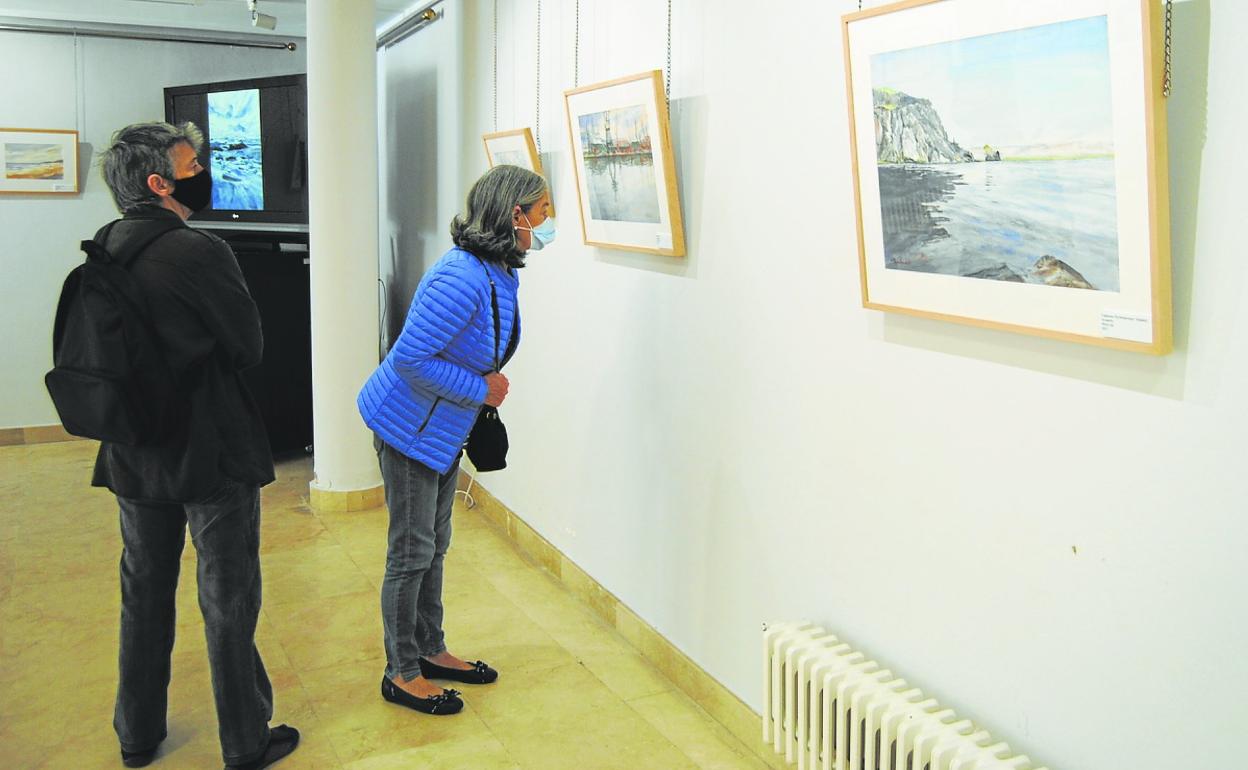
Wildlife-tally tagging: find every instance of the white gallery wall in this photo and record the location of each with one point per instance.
(1047, 537)
(420, 103)
(95, 86)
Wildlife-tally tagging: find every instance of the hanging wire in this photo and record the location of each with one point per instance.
(667, 81)
(576, 48)
(78, 96)
(537, 128)
(496, 66)
(1166, 82)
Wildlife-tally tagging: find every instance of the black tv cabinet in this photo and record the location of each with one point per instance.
(276, 267)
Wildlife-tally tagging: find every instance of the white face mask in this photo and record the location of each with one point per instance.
(543, 234)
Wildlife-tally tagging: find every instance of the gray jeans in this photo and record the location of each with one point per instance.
(420, 500)
(225, 529)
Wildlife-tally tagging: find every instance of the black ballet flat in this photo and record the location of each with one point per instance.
(446, 703)
(480, 673)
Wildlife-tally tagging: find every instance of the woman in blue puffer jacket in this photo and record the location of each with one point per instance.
(422, 402)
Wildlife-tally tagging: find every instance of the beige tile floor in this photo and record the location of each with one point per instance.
(572, 692)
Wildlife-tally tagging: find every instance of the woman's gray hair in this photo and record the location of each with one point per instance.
(138, 151)
(487, 229)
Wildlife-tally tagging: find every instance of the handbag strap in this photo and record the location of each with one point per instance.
(498, 330)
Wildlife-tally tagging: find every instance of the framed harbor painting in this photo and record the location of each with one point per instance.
(1009, 166)
(38, 161)
(625, 169)
(514, 148)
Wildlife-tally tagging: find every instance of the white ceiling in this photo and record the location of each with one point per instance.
(203, 15)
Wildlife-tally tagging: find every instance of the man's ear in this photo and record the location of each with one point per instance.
(159, 185)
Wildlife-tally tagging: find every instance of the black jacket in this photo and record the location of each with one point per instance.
(208, 328)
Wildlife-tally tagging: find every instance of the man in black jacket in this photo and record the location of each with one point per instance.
(207, 470)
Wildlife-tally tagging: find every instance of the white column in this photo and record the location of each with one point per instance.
(342, 180)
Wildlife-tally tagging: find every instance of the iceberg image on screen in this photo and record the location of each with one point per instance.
(234, 136)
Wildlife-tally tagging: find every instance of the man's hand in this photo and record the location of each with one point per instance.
(496, 388)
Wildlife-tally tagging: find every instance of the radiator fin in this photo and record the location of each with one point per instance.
(827, 706)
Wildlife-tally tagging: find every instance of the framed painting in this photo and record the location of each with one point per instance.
(38, 161)
(514, 148)
(1009, 166)
(625, 169)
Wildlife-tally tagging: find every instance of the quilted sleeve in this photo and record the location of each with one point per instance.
(439, 312)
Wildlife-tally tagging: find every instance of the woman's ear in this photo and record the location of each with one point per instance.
(515, 215)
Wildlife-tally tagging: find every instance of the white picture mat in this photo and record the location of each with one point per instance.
(68, 144)
(517, 143)
(1073, 311)
(648, 235)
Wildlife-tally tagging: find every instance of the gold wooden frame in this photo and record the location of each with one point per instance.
(1158, 194)
(69, 178)
(534, 158)
(675, 222)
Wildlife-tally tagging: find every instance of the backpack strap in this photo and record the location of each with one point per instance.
(96, 250)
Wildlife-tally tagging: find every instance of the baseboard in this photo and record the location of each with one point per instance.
(345, 501)
(725, 707)
(35, 434)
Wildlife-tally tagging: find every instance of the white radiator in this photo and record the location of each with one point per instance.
(827, 706)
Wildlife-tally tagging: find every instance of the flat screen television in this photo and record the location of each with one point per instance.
(255, 146)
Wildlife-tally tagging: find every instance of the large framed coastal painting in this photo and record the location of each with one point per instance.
(625, 168)
(1010, 168)
(38, 161)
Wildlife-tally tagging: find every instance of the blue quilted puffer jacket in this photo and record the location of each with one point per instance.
(424, 397)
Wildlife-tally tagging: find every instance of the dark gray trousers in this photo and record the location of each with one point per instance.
(225, 530)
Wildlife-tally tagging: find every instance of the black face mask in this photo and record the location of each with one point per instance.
(194, 192)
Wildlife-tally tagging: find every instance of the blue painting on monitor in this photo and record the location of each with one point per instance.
(237, 166)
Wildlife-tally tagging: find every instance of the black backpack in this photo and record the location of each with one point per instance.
(110, 381)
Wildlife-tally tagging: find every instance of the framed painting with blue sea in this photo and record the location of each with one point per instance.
(1006, 166)
(514, 148)
(38, 161)
(624, 164)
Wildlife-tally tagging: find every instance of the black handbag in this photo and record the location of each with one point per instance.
(487, 443)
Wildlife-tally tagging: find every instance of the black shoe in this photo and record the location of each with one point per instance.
(282, 741)
(138, 758)
(480, 673)
(446, 703)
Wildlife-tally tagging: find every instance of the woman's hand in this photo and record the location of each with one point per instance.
(496, 388)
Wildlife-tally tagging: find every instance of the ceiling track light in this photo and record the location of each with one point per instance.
(261, 20)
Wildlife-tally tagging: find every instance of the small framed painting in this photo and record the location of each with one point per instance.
(514, 148)
(38, 161)
(1010, 166)
(625, 168)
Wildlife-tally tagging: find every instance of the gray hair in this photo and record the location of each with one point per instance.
(486, 229)
(137, 152)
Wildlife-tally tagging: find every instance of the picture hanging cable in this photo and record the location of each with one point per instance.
(78, 97)
(1165, 82)
(667, 81)
(495, 65)
(537, 120)
(576, 47)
